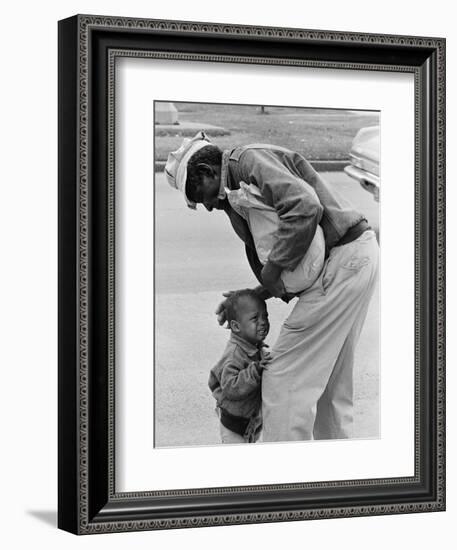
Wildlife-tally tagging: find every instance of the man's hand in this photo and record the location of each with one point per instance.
(220, 310)
(272, 281)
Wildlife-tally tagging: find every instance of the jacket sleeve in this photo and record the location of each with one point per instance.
(237, 383)
(296, 203)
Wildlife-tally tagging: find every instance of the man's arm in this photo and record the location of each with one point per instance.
(296, 203)
(270, 287)
(262, 292)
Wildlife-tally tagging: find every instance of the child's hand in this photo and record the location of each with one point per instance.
(265, 361)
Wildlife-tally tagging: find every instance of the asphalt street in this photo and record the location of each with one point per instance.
(197, 257)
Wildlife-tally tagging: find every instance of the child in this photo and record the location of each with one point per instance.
(235, 381)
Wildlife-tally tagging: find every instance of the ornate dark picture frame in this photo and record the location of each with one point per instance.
(88, 47)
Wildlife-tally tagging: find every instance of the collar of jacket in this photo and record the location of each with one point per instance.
(224, 174)
(250, 349)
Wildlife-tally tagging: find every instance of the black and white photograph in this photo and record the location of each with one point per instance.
(266, 274)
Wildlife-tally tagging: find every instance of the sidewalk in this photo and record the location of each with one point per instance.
(184, 406)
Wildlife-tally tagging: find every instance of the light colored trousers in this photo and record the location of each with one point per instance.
(307, 390)
(227, 436)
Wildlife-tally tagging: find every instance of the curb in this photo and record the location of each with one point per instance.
(318, 165)
(189, 130)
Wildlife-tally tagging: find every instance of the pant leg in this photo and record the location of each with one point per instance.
(312, 339)
(334, 414)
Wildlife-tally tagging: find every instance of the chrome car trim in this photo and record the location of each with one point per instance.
(362, 175)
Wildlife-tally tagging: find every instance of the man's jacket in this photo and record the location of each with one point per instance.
(300, 196)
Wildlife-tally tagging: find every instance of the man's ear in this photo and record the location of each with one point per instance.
(206, 169)
(235, 326)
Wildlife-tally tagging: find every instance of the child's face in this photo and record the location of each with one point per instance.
(252, 321)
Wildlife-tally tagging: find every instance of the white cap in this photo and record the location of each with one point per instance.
(176, 167)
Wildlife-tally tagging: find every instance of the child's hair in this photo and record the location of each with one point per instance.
(210, 154)
(232, 302)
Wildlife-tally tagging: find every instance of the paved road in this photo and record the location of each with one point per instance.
(198, 256)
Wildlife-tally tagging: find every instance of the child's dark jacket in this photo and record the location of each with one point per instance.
(235, 380)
